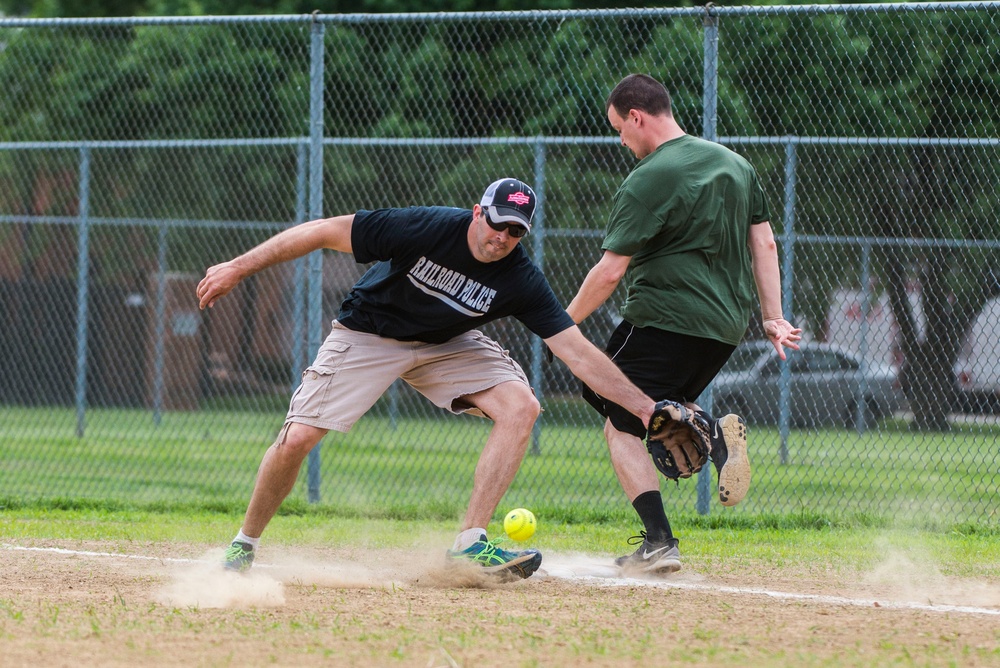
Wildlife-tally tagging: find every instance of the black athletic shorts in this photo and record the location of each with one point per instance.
(664, 365)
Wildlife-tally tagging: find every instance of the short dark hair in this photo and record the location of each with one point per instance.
(642, 92)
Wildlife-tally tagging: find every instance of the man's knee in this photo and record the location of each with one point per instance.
(517, 406)
(296, 440)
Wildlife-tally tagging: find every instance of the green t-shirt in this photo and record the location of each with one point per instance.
(684, 215)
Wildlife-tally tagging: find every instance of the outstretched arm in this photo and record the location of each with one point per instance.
(767, 276)
(598, 286)
(592, 366)
(333, 233)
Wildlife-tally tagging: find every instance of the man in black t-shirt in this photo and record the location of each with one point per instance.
(439, 273)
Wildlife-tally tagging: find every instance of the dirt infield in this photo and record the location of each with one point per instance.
(90, 604)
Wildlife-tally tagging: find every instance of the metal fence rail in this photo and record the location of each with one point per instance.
(134, 153)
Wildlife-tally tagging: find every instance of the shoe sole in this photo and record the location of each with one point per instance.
(734, 478)
(520, 568)
(236, 569)
(663, 566)
(238, 566)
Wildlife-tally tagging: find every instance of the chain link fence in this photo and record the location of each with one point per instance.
(134, 153)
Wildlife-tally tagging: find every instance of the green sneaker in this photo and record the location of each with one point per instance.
(497, 561)
(238, 557)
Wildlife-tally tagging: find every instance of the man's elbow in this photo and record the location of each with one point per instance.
(763, 244)
(767, 247)
(610, 276)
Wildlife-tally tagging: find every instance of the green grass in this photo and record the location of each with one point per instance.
(795, 543)
(410, 468)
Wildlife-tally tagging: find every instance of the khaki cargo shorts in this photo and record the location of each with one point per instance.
(353, 369)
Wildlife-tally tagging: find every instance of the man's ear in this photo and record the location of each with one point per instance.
(635, 116)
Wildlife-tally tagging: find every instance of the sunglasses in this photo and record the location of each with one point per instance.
(516, 231)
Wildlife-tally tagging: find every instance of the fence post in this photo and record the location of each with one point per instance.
(299, 276)
(82, 290)
(787, 281)
(710, 103)
(161, 325)
(861, 408)
(538, 253)
(316, 55)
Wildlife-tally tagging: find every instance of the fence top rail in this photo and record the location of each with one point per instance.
(786, 236)
(480, 141)
(523, 15)
(864, 141)
(149, 143)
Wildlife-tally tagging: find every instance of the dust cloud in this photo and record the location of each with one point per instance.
(203, 583)
(911, 575)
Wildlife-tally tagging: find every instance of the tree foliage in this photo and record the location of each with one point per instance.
(926, 75)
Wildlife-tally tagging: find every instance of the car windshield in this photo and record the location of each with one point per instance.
(742, 359)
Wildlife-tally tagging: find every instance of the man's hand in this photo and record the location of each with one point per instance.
(219, 281)
(782, 335)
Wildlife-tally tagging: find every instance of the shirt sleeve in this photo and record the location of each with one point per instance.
(759, 213)
(375, 234)
(542, 313)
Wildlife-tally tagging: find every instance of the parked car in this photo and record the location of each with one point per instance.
(977, 371)
(827, 383)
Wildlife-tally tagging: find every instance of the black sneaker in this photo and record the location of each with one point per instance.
(238, 557)
(729, 454)
(651, 558)
(506, 564)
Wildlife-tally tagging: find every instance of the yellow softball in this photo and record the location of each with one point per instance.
(519, 524)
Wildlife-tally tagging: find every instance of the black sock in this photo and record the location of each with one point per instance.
(649, 505)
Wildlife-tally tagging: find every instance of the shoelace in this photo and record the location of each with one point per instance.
(490, 551)
(234, 552)
(637, 540)
(494, 545)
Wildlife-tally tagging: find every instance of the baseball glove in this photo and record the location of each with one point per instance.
(678, 440)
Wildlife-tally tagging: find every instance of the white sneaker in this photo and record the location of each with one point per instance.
(729, 454)
(651, 558)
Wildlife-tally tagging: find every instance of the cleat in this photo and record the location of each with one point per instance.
(238, 557)
(729, 454)
(506, 564)
(651, 558)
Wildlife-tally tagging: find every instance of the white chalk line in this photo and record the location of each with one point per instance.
(609, 582)
(115, 555)
(790, 596)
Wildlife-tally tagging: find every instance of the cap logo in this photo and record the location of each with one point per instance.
(518, 198)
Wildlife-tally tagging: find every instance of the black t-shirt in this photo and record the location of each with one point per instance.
(427, 286)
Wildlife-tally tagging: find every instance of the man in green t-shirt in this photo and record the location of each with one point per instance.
(690, 235)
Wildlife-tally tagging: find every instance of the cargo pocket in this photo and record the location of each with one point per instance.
(313, 393)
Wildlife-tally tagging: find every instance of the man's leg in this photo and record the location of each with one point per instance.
(275, 479)
(513, 408)
(277, 474)
(657, 554)
(631, 461)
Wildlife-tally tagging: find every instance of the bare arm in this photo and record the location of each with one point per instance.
(598, 286)
(333, 233)
(592, 366)
(767, 276)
